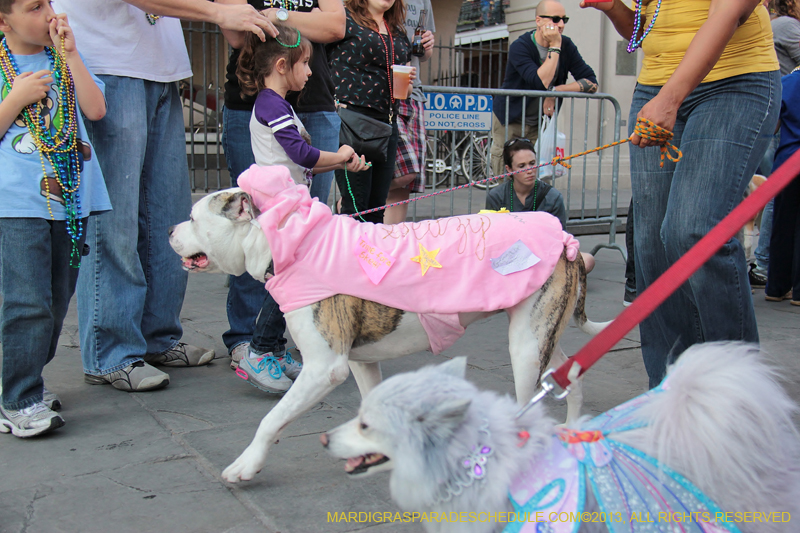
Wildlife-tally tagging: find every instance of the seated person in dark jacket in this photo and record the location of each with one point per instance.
(523, 192)
(539, 60)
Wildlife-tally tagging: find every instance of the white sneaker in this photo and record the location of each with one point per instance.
(238, 353)
(30, 421)
(263, 372)
(51, 399)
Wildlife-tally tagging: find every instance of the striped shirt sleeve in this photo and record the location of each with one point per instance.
(276, 113)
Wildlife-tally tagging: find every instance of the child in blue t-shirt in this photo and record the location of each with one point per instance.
(783, 274)
(51, 184)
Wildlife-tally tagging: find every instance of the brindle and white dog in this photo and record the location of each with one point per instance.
(343, 331)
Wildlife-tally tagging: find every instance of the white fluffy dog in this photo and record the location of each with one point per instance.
(717, 436)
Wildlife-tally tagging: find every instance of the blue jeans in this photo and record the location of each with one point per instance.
(765, 229)
(723, 129)
(245, 294)
(37, 285)
(270, 329)
(131, 285)
(323, 127)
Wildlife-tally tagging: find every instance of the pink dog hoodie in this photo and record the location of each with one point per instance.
(439, 268)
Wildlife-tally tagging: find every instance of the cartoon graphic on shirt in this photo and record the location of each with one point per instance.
(23, 143)
(52, 116)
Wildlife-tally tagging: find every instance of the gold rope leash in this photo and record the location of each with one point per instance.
(644, 129)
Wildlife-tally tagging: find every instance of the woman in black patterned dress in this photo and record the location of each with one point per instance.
(361, 69)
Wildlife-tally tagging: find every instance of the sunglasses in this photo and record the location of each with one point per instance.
(555, 18)
(511, 142)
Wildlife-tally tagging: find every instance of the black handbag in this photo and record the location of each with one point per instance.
(367, 136)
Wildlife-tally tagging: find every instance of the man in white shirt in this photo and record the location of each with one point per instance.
(131, 286)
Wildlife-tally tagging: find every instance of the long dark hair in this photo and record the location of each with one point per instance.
(784, 8)
(395, 16)
(257, 59)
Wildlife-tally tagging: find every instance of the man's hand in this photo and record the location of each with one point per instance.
(29, 88)
(427, 41)
(550, 33)
(549, 106)
(244, 17)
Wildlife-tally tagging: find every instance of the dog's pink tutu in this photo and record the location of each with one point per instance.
(634, 493)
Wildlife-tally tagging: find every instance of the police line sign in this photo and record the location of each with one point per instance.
(462, 112)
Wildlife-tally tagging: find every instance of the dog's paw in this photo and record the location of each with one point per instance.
(245, 466)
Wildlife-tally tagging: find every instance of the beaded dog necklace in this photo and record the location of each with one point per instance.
(56, 143)
(635, 43)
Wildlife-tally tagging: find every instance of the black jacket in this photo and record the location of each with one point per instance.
(521, 73)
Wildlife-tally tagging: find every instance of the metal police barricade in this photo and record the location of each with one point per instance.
(458, 121)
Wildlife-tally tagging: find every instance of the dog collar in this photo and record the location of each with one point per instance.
(474, 468)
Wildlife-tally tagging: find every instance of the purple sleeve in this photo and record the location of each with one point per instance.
(274, 112)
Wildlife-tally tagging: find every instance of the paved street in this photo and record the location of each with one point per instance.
(151, 462)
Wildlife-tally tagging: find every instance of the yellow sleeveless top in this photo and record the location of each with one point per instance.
(749, 50)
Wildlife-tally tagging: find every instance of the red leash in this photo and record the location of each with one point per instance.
(679, 272)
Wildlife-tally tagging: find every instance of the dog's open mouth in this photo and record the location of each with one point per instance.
(359, 465)
(197, 261)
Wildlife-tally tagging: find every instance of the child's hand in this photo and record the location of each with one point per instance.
(59, 29)
(357, 164)
(30, 87)
(345, 153)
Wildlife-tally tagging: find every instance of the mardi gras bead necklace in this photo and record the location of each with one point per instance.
(295, 45)
(152, 19)
(511, 196)
(638, 15)
(57, 140)
(389, 49)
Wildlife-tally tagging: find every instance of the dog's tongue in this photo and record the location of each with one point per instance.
(353, 463)
(198, 261)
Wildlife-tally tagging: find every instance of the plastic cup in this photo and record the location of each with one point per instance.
(401, 81)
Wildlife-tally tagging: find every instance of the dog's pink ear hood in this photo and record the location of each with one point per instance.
(288, 213)
(264, 183)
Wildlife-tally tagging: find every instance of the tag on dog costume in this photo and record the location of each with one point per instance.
(374, 261)
(517, 258)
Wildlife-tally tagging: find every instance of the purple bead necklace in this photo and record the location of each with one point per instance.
(638, 15)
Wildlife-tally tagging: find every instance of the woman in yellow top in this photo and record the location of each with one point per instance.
(710, 75)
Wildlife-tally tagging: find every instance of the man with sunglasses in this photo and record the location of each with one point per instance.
(538, 60)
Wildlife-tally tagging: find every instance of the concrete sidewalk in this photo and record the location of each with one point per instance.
(151, 462)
